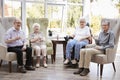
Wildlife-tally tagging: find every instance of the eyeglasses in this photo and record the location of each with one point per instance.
(104, 25)
(18, 22)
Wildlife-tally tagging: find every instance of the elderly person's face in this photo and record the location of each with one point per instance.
(17, 24)
(36, 29)
(82, 23)
(105, 27)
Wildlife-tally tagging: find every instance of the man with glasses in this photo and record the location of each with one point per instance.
(105, 40)
(16, 42)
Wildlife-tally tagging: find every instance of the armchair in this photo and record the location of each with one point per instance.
(110, 53)
(44, 24)
(5, 24)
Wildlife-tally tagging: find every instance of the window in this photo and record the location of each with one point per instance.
(35, 0)
(0, 8)
(75, 1)
(0, 11)
(35, 10)
(74, 13)
(55, 16)
(12, 8)
(56, 0)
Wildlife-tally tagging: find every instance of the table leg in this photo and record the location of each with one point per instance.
(54, 51)
(64, 51)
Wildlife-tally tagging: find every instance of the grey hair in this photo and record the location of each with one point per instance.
(36, 24)
(17, 19)
(105, 23)
(82, 19)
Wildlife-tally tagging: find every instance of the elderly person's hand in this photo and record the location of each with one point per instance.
(17, 38)
(24, 48)
(98, 47)
(37, 39)
(42, 39)
(81, 39)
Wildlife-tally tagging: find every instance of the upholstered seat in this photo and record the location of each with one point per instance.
(101, 58)
(9, 56)
(5, 24)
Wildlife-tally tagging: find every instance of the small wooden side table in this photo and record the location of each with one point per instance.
(58, 41)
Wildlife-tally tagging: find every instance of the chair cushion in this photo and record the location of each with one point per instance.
(11, 56)
(99, 58)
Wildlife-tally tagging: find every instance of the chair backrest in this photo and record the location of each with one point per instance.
(42, 21)
(115, 27)
(5, 24)
(2, 32)
(90, 38)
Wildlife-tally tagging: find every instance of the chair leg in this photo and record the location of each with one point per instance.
(101, 69)
(114, 66)
(10, 66)
(1, 63)
(97, 69)
(52, 59)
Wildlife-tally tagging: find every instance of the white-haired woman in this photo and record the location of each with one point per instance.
(38, 44)
(82, 32)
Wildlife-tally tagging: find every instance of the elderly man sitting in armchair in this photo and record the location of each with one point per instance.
(16, 42)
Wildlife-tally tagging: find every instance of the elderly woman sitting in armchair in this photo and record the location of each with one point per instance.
(38, 44)
(79, 40)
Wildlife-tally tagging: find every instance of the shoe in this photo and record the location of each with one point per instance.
(30, 68)
(37, 65)
(74, 62)
(21, 69)
(45, 65)
(74, 65)
(84, 72)
(66, 61)
(79, 71)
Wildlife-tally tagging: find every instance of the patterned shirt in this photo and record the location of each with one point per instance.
(12, 33)
(33, 35)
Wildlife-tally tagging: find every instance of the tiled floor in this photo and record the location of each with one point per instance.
(58, 71)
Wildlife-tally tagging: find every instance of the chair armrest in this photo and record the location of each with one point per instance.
(3, 51)
(90, 45)
(111, 53)
(109, 50)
